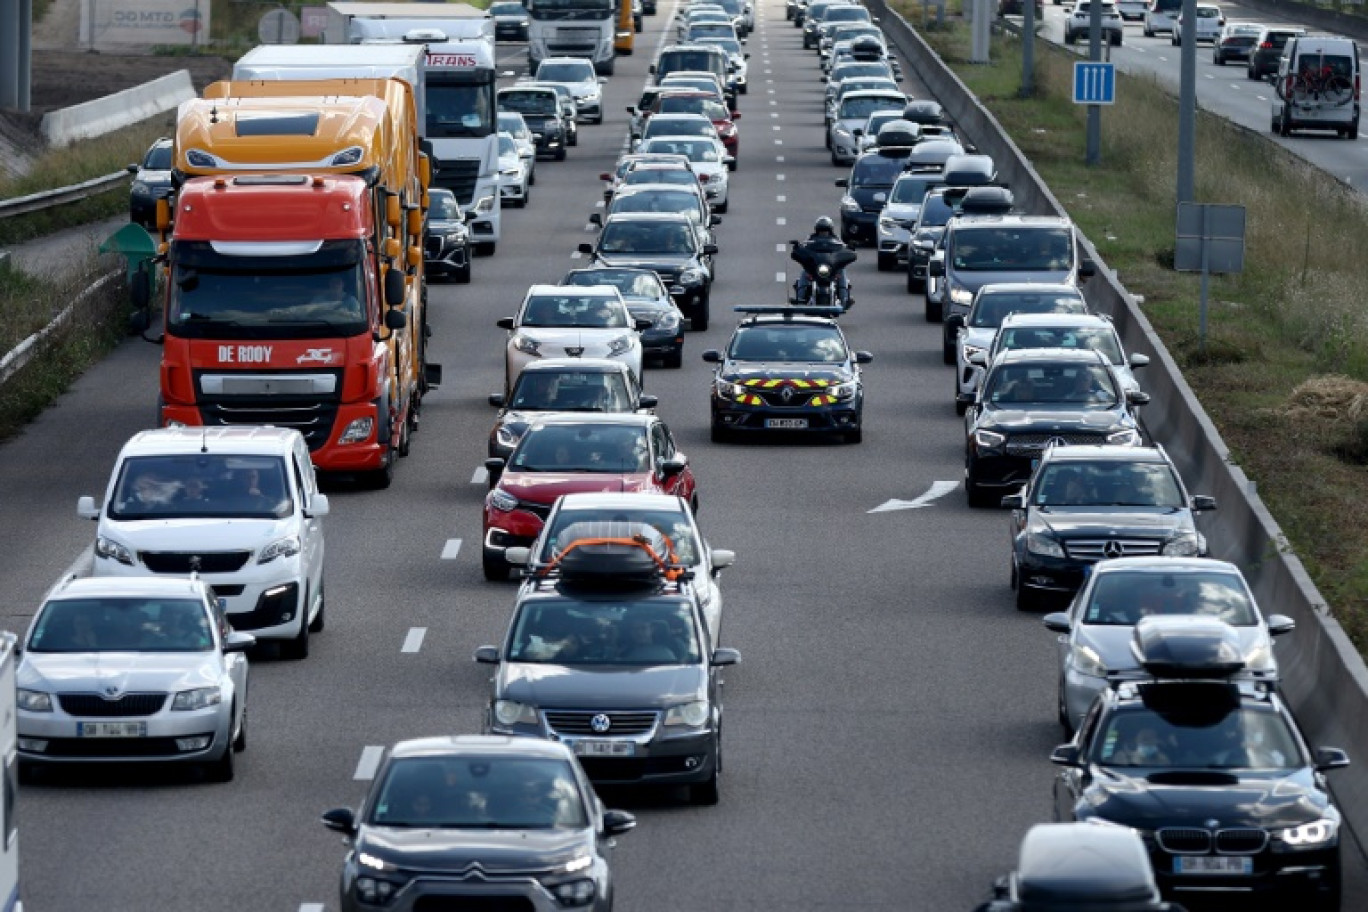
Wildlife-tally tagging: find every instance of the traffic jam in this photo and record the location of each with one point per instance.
(295, 361)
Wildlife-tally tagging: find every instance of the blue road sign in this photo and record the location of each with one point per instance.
(1094, 83)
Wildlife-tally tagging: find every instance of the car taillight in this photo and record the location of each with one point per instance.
(1267, 46)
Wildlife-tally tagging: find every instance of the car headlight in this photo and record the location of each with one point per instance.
(969, 351)
(376, 891)
(669, 321)
(988, 440)
(1184, 544)
(691, 276)
(527, 345)
(485, 205)
(728, 390)
(841, 130)
(1038, 542)
(281, 547)
(508, 435)
(140, 189)
(848, 204)
(886, 223)
(35, 701)
(511, 712)
(693, 714)
(574, 893)
(621, 345)
(1309, 835)
(501, 500)
(108, 548)
(844, 391)
(1260, 658)
(1128, 437)
(511, 172)
(199, 698)
(961, 296)
(1086, 661)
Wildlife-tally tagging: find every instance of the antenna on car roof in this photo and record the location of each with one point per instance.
(204, 440)
(213, 113)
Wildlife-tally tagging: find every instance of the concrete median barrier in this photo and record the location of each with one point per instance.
(113, 112)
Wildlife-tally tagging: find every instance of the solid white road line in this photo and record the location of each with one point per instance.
(414, 641)
(481, 476)
(451, 549)
(369, 762)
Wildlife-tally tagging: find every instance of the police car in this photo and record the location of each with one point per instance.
(1207, 763)
(787, 369)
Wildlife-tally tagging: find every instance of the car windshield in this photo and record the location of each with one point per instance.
(1056, 384)
(674, 238)
(990, 309)
(158, 158)
(935, 211)
(1244, 738)
(617, 522)
(679, 176)
(507, 145)
(697, 83)
(507, 9)
(1206, 12)
(201, 486)
(695, 150)
(122, 625)
(913, 189)
(588, 311)
(858, 70)
(1097, 338)
(724, 41)
(1012, 249)
(634, 632)
(1123, 597)
(513, 125)
(681, 201)
(566, 72)
(1075, 483)
(875, 171)
(862, 106)
(571, 391)
(847, 14)
(630, 283)
(479, 792)
(523, 102)
(693, 104)
(443, 205)
(679, 126)
(617, 448)
(818, 344)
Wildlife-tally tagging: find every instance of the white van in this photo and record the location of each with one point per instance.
(240, 506)
(1317, 86)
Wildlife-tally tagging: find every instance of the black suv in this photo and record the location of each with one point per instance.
(608, 654)
(1267, 50)
(867, 187)
(541, 109)
(1089, 503)
(1034, 398)
(151, 182)
(1212, 771)
(788, 369)
(666, 243)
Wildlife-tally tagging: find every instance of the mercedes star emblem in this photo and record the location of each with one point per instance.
(1113, 548)
(600, 723)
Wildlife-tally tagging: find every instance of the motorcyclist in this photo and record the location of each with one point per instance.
(822, 244)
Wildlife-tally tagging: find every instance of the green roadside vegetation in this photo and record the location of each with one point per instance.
(1284, 369)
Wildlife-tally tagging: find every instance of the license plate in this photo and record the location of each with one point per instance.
(111, 729)
(1212, 864)
(589, 748)
(786, 423)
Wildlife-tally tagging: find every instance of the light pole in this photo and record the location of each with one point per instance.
(1187, 104)
(1094, 154)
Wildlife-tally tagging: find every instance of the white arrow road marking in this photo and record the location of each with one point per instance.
(937, 490)
(481, 476)
(414, 641)
(369, 762)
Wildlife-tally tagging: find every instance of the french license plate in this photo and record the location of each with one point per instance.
(1213, 864)
(111, 729)
(591, 748)
(786, 423)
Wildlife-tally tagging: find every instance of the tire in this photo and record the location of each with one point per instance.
(494, 566)
(1285, 125)
(560, 153)
(240, 742)
(1217, 59)
(733, 165)
(1116, 40)
(29, 773)
(835, 162)
(887, 261)
(462, 275)
(1063, 713)
(948, 353)
(297, 649)
(606, 68)
(707, 793)
(1025, 600)
(320, 620)
(573, 140)
(1149, 33)
(486, 248)
(855, 436)
(1251, 75)
(1173, 39)
(693, 505)
(674, 359)
(933, 311)
(1352, 132)
(220, 770)
(718, 434)
(381, 478)
(975, 495)
(721, 208)
(1069, 37)
(914, 284)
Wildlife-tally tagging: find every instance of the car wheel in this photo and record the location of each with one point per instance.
(316, 625)
(221, 770)
(706, 793)
(914, 284)
(732, 165)
(1068, 37)
(573, 140)
(721, 208)
(1353, 130)
(693, 505)
(297, 648)
(560, 153)
(29, 772)
(674, 359)
(855, 436)
(836, 162)
(933, 311)
(887, 261)
(1286, 126)
(948, 352)
(718, 434)
(1173, 38)
(381, 478)
(494, 565)
(976, 496)
(486, 248)
(462, 275)
(1025, 599)
(1217, 59)
(1149, 33)
(240, 742)
(1063, 712)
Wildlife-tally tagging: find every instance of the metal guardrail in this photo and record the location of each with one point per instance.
(22, 353)
(48, 199)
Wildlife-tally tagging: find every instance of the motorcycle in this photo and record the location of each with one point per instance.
(824, 268)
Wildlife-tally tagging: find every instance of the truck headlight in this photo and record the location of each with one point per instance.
(527, 345)
(1309, 835)
(961, 296)
(358, 431)
(694, 715)
(35, 701)
(1042, 544)
(1086, 661)
(199, 698)
(501, 500)
(988, 440)
(281, 547)
(485, 205)
(108, 548)
(511, 712)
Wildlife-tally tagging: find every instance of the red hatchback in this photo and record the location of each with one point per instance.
(689, 101)
(571, 454)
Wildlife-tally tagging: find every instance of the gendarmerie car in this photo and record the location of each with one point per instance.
(1211, 769)
(788, 369)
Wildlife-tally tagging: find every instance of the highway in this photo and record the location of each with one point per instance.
(887, 733)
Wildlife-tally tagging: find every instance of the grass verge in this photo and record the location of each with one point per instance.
(1287, 353)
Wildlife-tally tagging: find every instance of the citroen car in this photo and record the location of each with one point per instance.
(563, 385)
(787, 369)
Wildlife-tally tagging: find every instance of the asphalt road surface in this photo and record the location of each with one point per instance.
(887, 734)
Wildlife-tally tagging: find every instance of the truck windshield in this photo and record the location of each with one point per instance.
(222, 296)
(460, 103)
(571, 9)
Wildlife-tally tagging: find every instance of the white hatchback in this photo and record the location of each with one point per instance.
(565, 321)
(239, 506)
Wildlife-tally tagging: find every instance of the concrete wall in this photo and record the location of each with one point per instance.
(112, 112)
(1325, 680)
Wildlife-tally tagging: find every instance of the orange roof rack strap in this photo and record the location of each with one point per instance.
(670, 568)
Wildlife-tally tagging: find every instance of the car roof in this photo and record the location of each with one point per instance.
(128, 586)
(578, 365)
(646, 217)
(583, 60)
(578, 418)
(1090, 453)
(605, 291)
(1012, 221)
(482, 745)
(239, 440)
(1055, 321)
(1074, 862)
(1070, 355)
(1158, 564)
(795, 320)
(621, 500)
(1045, 288)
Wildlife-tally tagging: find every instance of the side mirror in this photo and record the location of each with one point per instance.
(1278, 624)
(605, 176)
(1087, 269)
(842, 182)
(1202, 502)
(237, 641)
(1065, 755)
(586, 249)
(978, 358)
(1137, 397)
(85, 507)
(673, 465)
(518, 557)
(1138, 360)
(487, 655)
(735, 115)
(936, 268)
(723, 657)
(651, 69)
(712, 356)
(319, 507)
(710, 250)
(645, 401)
(504, 323)
(1330, 758)
(132, 169)
(955, 321)
(1057, 621)
(714, 221)
(721, 559)
(394, 286)
(615, 823)
(496, 400)
(494, 466)
(1015, 501)
(395, 319)
(596, 219)
(863, 357)
(642, 324)
(341, 820)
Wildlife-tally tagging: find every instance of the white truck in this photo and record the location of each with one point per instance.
(453, 83)
(572, 28)
(9, 743)
(346, 19)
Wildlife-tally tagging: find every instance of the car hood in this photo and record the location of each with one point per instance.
(124, 672)
(203, 535)
(601, 687)
(658, 262)
(902, 211)
(446, 226)
(545, 487)
(555, 340)
(1093, 522)
(973, 281)
(539, 122)
(790, 370)
(1147, 799)
(1112, 642)
(1044, 418)
(454, 850)
(154, 178)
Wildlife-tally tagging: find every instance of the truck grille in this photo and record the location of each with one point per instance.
(620, 723)
(459, 176)
(1096, 549)
(313, 415)
(94, 705)
(183, 561)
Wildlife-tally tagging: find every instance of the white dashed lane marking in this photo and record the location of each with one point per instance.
(779, 276)
(781, 221)
(481, 476)
(451, 549)
(781, 198)
(369, 762)
(414, 641)
(312, 907)
(779, 158)
(778, 177)
(779, 248)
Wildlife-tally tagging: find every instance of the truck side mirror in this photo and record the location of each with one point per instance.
(394, 286)
(395, 319)
(393, 211)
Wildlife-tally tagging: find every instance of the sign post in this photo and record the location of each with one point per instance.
(1210, 239)
(1094, 85)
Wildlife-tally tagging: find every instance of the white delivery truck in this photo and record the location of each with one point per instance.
(453, 85)
(572, 28)
(9, 743)
(463, 21)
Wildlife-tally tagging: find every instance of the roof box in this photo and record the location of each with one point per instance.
(1084, 866)
(969, 170)
(924, 111)
(613, 555)
(986, 201)
(898, 133)
(1187, 646)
